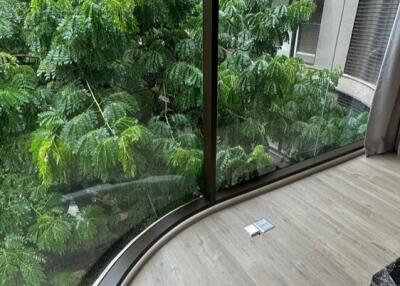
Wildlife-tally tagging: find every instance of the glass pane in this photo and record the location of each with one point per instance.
(308, 38)
(100, 129)
(276, 111)
(308, 35)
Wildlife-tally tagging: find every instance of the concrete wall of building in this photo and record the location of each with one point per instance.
(333, 45)
(335, 34)
(361, 90)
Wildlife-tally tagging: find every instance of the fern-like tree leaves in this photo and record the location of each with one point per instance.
(51, 120)
(71, 99)
(25, 81)
(189, 140)
(37, 139)
(126, 102)
(19, 99)
(7, 61)
(300, 11)
(76, 33)
(11, 103)
(127, 157)
(106, 159)
(260, 160)
(54, 161)
(187, 48)
(92, 224)
(229, 165)
(186, 75)
(153, 61)
(130, 142)
(255, 130)
(188, 162)
(20, 264)
(115, 111)
(11, 26)
(52, 231)
(14, 213)
(259, 27)
(159, 128)
(186, 80)
(235, 165)
(78, 126)
(86, 151)
(124, 123)
(181, 121)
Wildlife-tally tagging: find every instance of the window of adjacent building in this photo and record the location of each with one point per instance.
(307, 38)
(371, 33)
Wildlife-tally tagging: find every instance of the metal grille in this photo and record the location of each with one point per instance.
(354, 106)
(370, 36)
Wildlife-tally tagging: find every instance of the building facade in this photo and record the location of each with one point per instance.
(351, 35)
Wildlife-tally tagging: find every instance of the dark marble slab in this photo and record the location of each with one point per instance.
(389, 276)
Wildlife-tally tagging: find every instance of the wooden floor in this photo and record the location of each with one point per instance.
(337, 227)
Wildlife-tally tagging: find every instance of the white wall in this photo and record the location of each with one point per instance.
(335, 34)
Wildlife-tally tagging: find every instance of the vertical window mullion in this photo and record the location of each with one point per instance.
(210, 86)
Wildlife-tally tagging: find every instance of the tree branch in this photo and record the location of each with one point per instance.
(99, 108)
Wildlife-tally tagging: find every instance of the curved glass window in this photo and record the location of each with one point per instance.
(114, 113)
(101, 128)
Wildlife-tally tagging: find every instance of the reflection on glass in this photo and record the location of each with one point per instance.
(274, 111)
(100, 128)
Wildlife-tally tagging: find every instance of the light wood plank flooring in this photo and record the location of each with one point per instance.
(337, 227)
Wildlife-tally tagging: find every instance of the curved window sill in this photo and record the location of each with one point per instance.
(129, 261)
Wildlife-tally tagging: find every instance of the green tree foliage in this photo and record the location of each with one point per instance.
(100, 93)
(51, 231)
(12, 15)
(19, 263)
(274, 100)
